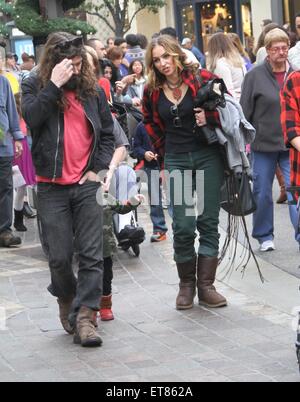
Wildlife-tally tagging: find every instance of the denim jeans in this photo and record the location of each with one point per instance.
(6, 193)
(155, 200)
(71, 215)
(207, 161)
(264, 167)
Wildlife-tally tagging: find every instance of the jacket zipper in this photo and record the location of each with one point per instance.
(56, 154)
(94, 146)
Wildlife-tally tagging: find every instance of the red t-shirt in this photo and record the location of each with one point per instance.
(280, 78)
(78, 142)
(105, 85)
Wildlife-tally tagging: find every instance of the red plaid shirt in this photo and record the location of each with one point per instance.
(152, 120)
(290, 120)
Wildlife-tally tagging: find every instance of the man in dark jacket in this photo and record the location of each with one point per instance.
(72, 131)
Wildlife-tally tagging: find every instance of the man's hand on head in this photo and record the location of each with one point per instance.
(62, 73)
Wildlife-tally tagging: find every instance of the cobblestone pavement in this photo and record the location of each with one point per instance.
(149, 340)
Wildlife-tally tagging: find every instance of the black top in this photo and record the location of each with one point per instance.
(179, 123)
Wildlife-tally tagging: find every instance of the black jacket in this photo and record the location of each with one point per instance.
(46, 121)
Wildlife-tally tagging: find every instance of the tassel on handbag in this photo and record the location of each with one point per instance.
(238, 201)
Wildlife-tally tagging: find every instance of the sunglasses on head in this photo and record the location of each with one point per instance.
(66, 45)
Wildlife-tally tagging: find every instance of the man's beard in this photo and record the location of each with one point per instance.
(73, 83)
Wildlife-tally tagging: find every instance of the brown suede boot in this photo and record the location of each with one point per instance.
(206, 273)
(187, 284)
(64, 311)
(85, 334)
(283, 195)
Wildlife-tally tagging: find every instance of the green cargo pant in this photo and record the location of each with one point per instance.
(184, 169)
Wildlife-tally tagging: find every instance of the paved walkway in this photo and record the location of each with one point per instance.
(250, 340)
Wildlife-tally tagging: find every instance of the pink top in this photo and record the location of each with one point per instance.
(78, 142)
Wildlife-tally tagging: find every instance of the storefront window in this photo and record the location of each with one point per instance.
(290, 9)
(188, 19)
(286, 12)
(215, 17)
(247, 23)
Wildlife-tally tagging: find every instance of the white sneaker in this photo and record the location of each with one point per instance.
(267, 246)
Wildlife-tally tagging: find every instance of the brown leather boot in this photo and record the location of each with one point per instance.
(187, 284)
(85, 334)
(64, 311)
(206, 273)
(283, 195)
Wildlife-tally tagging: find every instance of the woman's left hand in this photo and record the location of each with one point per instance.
(200, 117)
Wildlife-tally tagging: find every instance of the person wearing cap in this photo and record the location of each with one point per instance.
(188, 44)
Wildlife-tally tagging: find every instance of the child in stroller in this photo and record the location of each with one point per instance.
(126, 227)
(112, 207)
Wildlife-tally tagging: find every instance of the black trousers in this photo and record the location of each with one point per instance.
(108, 276)
(71, 214)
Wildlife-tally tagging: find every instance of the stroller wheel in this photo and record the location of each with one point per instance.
(136, 249)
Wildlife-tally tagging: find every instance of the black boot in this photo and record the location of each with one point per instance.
(19, 222)
(27, 211)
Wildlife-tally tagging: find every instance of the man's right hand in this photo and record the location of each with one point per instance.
(62, 73)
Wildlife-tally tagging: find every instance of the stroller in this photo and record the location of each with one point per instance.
(128, 117)
(128, 233)
(127, 230)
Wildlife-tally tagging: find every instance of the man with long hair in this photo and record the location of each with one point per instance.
(72, 131)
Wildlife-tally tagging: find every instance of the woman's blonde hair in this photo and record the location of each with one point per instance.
(276, 35)
(235, 39)
(220, 46)
(172, 48)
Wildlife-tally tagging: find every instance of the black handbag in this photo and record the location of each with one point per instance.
(238, 201)
(236, 195)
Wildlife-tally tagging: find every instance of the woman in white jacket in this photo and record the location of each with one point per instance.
(225, 61)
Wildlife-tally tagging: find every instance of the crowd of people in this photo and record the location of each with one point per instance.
(60, 132)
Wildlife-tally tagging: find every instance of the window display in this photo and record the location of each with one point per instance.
(188, 20)
(215, 17)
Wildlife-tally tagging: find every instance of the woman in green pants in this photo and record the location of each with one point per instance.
(170, 120)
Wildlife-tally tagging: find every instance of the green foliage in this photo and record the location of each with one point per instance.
(4, 31)
(151, 5)
(7, 9)
(29, 21)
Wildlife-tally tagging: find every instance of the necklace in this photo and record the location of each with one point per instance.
(175, 88)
